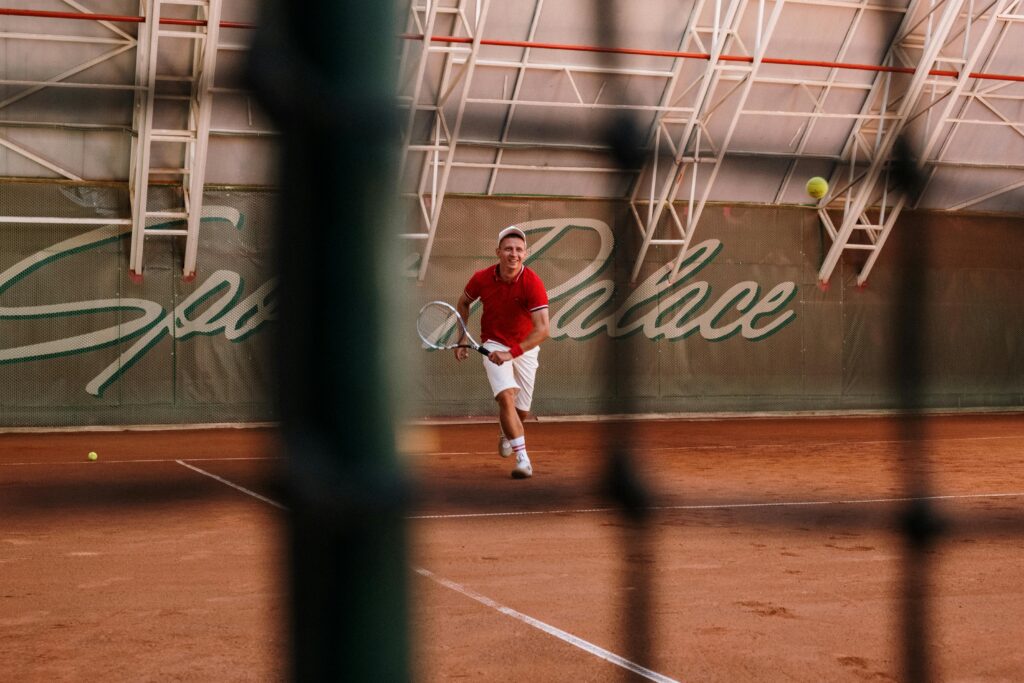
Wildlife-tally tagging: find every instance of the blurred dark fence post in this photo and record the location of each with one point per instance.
(324, 70)
(910, 359)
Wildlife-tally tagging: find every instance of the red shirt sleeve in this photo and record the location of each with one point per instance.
(536, 295)
(473, 289)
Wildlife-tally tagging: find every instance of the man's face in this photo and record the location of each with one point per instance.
(511, 252)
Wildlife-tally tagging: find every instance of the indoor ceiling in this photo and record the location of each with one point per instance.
(727, 100)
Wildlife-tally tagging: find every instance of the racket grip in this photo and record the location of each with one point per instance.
(483, 350)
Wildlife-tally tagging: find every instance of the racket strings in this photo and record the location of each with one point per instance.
(438, 326)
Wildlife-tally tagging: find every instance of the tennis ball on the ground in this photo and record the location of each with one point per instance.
(93, 455)
(817, 187)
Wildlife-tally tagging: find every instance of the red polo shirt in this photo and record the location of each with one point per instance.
(507, 305)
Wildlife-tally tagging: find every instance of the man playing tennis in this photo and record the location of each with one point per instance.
(514, 323)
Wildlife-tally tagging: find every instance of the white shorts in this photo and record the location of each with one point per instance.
(518, 374)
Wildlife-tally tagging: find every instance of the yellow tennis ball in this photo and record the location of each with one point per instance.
(817, 187)
(93, 455)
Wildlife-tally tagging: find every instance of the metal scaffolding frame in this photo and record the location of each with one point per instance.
(541, 103)
(871, 201)
(452, 91)
(184, 127)
(693, 117)
(171, 111)
(686, 147)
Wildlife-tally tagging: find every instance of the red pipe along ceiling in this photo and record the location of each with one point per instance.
(540, 46)
(706, 56)
(115, 18)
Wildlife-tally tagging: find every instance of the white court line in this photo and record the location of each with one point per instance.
(140, 428)
(233, 485)
(584, 645)
(551, 630)
(149, 460)
(789, 445)
(721, 506)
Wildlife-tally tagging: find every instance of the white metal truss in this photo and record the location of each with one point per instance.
(685, 145)
(820, 97)
(488, 113)
(453, 90)
(120, 42)
(986, 97)
(178, 125)
(517, 85)
(872, 201)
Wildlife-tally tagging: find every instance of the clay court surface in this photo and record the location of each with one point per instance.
(771, 553)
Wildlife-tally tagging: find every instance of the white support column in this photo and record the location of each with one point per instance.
(190, 138)
(765, 35)
(722, 31)
(687, 155)
(201, 104)
(861, 191)
(950, 98)
(145, 81)
(440, 154)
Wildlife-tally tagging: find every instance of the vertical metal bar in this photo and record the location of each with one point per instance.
(202, 98)
(623, 483)
(324, 69)
(453, 135)
(748, 83)
(148, 42)
(910, 98)
(506, 127)
(705, 93)
(909, 359)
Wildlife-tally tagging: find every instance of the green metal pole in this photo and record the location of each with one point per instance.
(324, 70)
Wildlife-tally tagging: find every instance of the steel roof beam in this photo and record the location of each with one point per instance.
(861, 192)
(659, 198)
(506, 125)
(191, 138)
(973, 94)
(820, 99)
(435, 170)
(703, 109)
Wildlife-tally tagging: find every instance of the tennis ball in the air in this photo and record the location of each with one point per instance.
(817, 187)
(93, 455)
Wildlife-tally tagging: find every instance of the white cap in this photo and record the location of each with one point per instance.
(511, 230)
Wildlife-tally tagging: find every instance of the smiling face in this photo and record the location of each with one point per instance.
(511, 253)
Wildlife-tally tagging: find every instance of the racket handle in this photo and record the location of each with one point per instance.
(483, 350)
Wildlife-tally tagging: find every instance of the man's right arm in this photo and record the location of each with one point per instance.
(462, 306)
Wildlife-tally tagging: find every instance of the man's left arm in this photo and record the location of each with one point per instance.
(537, 299)
(538, 334)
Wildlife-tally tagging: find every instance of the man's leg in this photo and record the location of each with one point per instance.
(504, 447)
(512, 426)
(508, 416)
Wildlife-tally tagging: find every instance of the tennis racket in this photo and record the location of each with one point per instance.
(441, 327)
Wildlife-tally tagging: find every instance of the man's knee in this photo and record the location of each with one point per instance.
(506, 398)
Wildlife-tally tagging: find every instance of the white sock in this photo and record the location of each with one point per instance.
(518, 445)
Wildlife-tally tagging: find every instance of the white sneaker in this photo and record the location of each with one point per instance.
(504, 447)
(523, 470)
